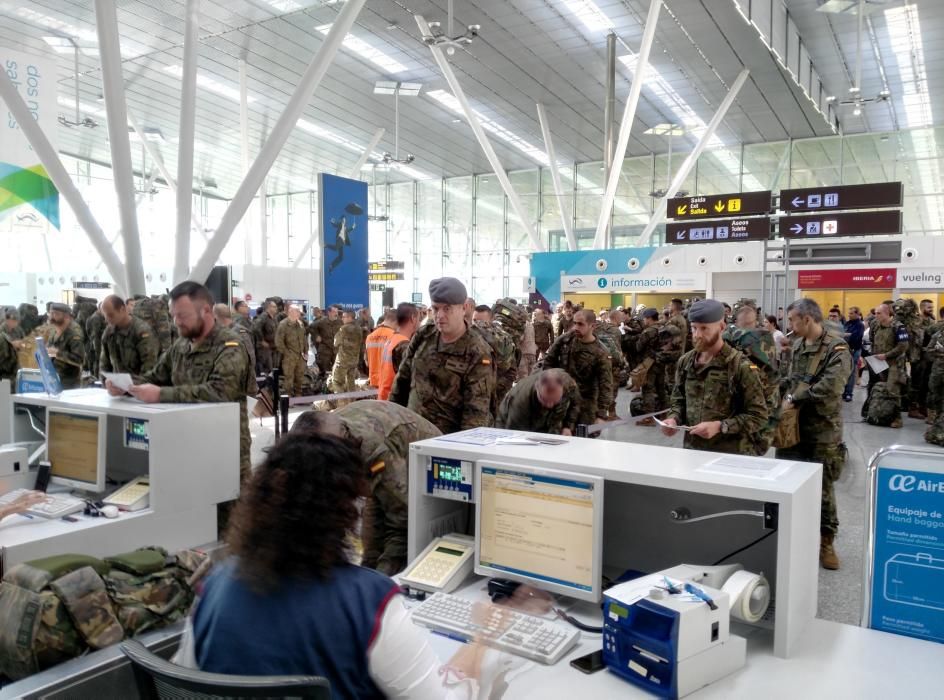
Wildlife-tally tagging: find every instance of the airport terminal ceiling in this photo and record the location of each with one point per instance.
(545, 51)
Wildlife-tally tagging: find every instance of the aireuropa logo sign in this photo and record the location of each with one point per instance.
(906, 483)
(682, 282)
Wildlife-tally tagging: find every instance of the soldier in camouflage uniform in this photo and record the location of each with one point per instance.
(547, 401)
(677, 319)
(757, 345)
(448, 373)
(128, 343)
(382, 431)
(291, 341)
(921, 367)
(906, 312)
(583, 357)
(347, 349)
(29, 317)
(890, 342)
(608, 334)
(322, 332)
(717, 393)
(206, 364)
(155, 312)
(224, 317)
(241, 317)
(563, 319)
(646, 347)
(94, 330)
(935, 354)
(263, 330)
(670, 352)
(11, 327)
(818, 398)
(82, 311)
(504, 349)
(9, 363)
(66, 346)
(543, 332)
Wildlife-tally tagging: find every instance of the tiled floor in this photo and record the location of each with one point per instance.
(840, 592)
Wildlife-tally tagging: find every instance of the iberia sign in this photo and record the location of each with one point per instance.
(875, 278)
(719, 205)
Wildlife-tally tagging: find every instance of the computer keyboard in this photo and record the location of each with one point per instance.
(56, 505)
(496, 626)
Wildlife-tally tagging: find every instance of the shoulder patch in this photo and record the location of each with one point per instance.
(377, 467)
(841, 346)
(486, 361)
(231, 344)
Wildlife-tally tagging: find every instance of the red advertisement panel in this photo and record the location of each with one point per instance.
(876, 278)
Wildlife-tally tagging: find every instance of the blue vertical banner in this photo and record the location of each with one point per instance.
(907, 586)
(343, 207)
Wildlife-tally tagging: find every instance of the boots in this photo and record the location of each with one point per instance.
(915, 411)
(932, 416)
(827, 555)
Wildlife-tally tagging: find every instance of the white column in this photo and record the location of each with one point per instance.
(109, 49)
(626, 123)
(659, 214)
(566, 218)
(244, 153)
(480, 136)
(188, 117)
(280, 133)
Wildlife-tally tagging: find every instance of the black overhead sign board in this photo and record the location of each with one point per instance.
(813, 199)
(728, 230)
(718, 205)
(868, 223)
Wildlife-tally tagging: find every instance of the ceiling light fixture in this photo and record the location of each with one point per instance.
(368, 52)
(210, 84)
(387, 87)
(447, 39)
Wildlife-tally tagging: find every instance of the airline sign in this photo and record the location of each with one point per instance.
(719, 205)
(873, 278)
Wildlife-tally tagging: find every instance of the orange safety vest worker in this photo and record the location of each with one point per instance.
(375, 344)
(387, 371)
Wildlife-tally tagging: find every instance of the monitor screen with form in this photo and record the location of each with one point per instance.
(75, 447)
(540, 526)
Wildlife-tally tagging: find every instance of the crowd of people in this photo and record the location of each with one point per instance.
(734, 379)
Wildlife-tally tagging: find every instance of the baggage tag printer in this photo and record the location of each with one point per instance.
(670, 636)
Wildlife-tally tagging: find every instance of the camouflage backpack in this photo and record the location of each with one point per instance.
(882, 406)
(58, 608)
(155, 312)
(29, 317)
(907, 313)
(511, 316)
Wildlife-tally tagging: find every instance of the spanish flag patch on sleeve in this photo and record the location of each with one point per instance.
(231, 344)
(486, 361)
(377, 467)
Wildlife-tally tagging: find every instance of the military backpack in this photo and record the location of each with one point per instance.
(511, 316)
(155, 312)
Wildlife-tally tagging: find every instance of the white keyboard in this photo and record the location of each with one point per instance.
(496, 626)
(56, 505)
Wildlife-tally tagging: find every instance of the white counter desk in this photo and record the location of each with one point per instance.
(191, 459)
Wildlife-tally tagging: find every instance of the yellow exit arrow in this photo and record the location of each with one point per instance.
(682, 209)
(719, 207)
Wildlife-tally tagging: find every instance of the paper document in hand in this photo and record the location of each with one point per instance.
(876, 365)
(121, 380)
(663, 424)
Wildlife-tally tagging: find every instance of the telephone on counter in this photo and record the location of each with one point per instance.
(442, 566)
(134, 495)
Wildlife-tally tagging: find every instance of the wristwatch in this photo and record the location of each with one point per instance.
(790, 398)
(724, 427)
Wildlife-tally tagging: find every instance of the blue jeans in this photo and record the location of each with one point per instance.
(850, 385)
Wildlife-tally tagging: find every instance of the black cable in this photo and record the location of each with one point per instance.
(577, 623)
(747, 546)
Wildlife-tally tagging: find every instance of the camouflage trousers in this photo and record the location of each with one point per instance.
(526, 365)
(384, 522)
(324, 358)
(833, 458)
(935, 432)
(263, 359)
(918, 392)
(342, 378)
(655, 397)
(293, 375)
(936, 385)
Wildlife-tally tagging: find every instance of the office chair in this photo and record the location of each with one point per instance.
(158, 679)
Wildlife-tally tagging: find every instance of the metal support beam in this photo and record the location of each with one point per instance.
(356, 170)
(609, 124)
(626, 123)
(692, 157)
(165, 173)
(244, 152)
(566, 219)
(280, 133)
(188, 118)
(57, 173)
(480, 136)
(109, 48)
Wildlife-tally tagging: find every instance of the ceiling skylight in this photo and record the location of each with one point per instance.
(904, 30)
(587, 12)
(368, 52)
(210, 84)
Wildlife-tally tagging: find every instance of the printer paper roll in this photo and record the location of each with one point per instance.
(741, 587)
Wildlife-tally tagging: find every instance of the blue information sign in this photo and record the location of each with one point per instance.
(907, 572)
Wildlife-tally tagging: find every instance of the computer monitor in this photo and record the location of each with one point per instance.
(540, 526)
(75, 446)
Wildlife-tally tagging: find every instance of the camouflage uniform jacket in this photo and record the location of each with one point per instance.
(15, 333)
(589, 365)
(646, 343)
(347, 345)
(249, 345)
(820, 406)
(70, 344)
(449, 384)
(244, 321)
(505, 354)
(9, 363)
(94, 330)
(893, 342)
(758, 346)
(264, 328)
(521, 410)
(290, 338)
(215, 371)
(562, 325)
(543, 334)
(133, 349)
(725, 389)
(680, 322)
(611, 338)
(322, 333)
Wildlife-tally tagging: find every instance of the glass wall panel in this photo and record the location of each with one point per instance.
(525, 184)
(457, 233)
(429, 234)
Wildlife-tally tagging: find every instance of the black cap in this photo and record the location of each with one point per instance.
(706, 311)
